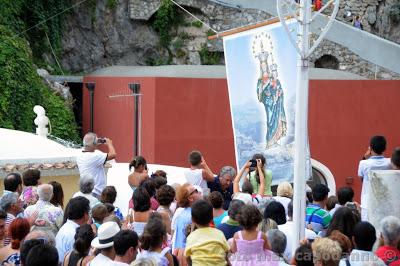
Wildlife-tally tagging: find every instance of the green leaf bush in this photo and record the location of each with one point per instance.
(20, 86)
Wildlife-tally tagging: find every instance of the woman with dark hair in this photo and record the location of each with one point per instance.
(150, 186)
(17, 230)
(80, 254)
(248, 195)
(58, 195)
(261, 172)
(275, 211)
(274, 215)
(139, 174)
(30, 179)
(343, 220)
(108, 195)
(141, 211)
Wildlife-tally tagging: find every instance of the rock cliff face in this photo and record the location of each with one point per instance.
(109, 37)
(380, 17)
(100, 36)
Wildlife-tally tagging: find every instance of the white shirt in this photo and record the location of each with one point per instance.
(92, 200)
(65, 239)
(101, 260)
(288, 229)
(117, 263)
(195, 177)
(92, 164)
(373, 163)
(332, 212)
(362, 258)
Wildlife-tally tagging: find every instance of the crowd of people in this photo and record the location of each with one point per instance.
(231, 218)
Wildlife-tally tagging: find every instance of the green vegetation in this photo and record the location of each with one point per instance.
(395, 13)
(20, 86)
(197, 24)
(166, 19)
(210, 33)
(92, 9)
(112, 4)
(209, 58)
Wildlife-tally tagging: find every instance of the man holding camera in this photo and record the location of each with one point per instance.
(91, 161)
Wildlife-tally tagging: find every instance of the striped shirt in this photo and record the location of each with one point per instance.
(9, 219)
(318, 218)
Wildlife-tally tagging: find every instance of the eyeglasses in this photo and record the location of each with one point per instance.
(39, 240)
(194, 191)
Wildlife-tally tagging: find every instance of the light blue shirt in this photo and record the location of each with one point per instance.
(65, 239)
(182, 221)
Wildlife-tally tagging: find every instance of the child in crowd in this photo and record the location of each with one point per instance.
(205, 245)
(165, 195)
(251, 246)
(109, 195)
(99, 212)
(216, 199)
(152, 239)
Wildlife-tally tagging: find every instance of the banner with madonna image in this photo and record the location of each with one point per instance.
(261, 73)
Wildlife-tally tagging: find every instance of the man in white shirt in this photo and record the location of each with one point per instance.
(363, 240)
(86, 186)
(91, 161)
(372, 160)
(104, 242)
(77, 214)
(126, 243)
(288, 229)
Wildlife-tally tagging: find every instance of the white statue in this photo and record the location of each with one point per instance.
(41, 121)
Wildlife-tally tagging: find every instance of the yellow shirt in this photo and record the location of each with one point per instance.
(207, 246)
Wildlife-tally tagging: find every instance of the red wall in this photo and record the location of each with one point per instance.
(343, 115)
(178, 116)
(182, 114)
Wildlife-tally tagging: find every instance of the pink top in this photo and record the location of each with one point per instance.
(252, 253)
(255, 246)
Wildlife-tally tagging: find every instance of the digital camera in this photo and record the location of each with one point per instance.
(101, 140)
(253, 163)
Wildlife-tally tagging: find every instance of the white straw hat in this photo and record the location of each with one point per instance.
(105, 235)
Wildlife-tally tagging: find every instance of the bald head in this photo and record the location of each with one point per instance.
(45, 192)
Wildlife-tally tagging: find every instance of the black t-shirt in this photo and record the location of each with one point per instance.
(227, 194)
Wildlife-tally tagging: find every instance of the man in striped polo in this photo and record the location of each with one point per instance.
(317, 217)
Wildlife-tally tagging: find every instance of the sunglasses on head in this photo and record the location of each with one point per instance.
(194, 191)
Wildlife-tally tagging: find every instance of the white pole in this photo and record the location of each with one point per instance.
(301, 126)
(301, 174)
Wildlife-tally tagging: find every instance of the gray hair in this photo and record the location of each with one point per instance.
(86, 184)
(37, 233)
(277, 240)
(227, 170)
(7, 200)
(390, 229)
(89, 140)
(45, 192)
(234, 209)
